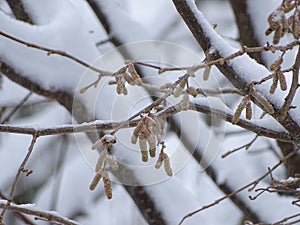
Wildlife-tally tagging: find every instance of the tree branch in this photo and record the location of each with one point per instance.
(18, 10)
(188, 11)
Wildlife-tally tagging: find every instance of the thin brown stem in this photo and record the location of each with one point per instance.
(253, 184)
(56, 52)
(20, 170)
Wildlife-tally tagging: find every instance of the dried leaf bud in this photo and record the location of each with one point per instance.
(262, 100)
(167, 165)
(206, 72)
(239, 109)
(159, 160)
(152, 145)
(282, 81)
(185, 103)
(107, 185)
(192, 91)
(112, 162)
(136, 77)
(180, 88)
(95, 181)
(143, 148)
(274, 84)
(248, 111)
(275, 65)
(100, 162)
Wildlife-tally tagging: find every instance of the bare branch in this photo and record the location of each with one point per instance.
(30, 210)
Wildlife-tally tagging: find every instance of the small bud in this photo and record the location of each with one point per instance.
(248, 111)
(167, 165)
(262, 100)
(282, 81)
(206, 72)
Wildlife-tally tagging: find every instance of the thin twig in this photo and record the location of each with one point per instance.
(253, 184)
(282, 112)
(30, 210)
(7, 118)
(56, 52)
(20, 170)
(246, 146)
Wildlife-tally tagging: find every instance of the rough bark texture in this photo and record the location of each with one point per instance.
(246, 32)
(18, 10)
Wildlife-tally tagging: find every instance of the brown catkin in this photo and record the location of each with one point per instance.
(262, 100)
(248, 111)
(185, 103)
(275, 65)
(143, 148)
(295, 26)
(239, 110)
(137, 131)
(180, 87)
(95, 181)
(101, 159)
(107, 185)
(152, 145)
(206, 72)
(136, 77)
(167, 165)
(128, 79)
(282, 81)
(277, 35)
(274, 84)
(159, 160)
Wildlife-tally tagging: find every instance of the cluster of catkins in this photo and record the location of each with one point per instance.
(280, 24)
(277, 76)
(148, 131)
(246, 104)
(126, 74)
(104, 144)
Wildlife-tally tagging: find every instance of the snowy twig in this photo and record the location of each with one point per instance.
(30, 210)
(253, 184)
(56, 52)
(7, 118)
(246, 146)
(20, 170)
(282, 112)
